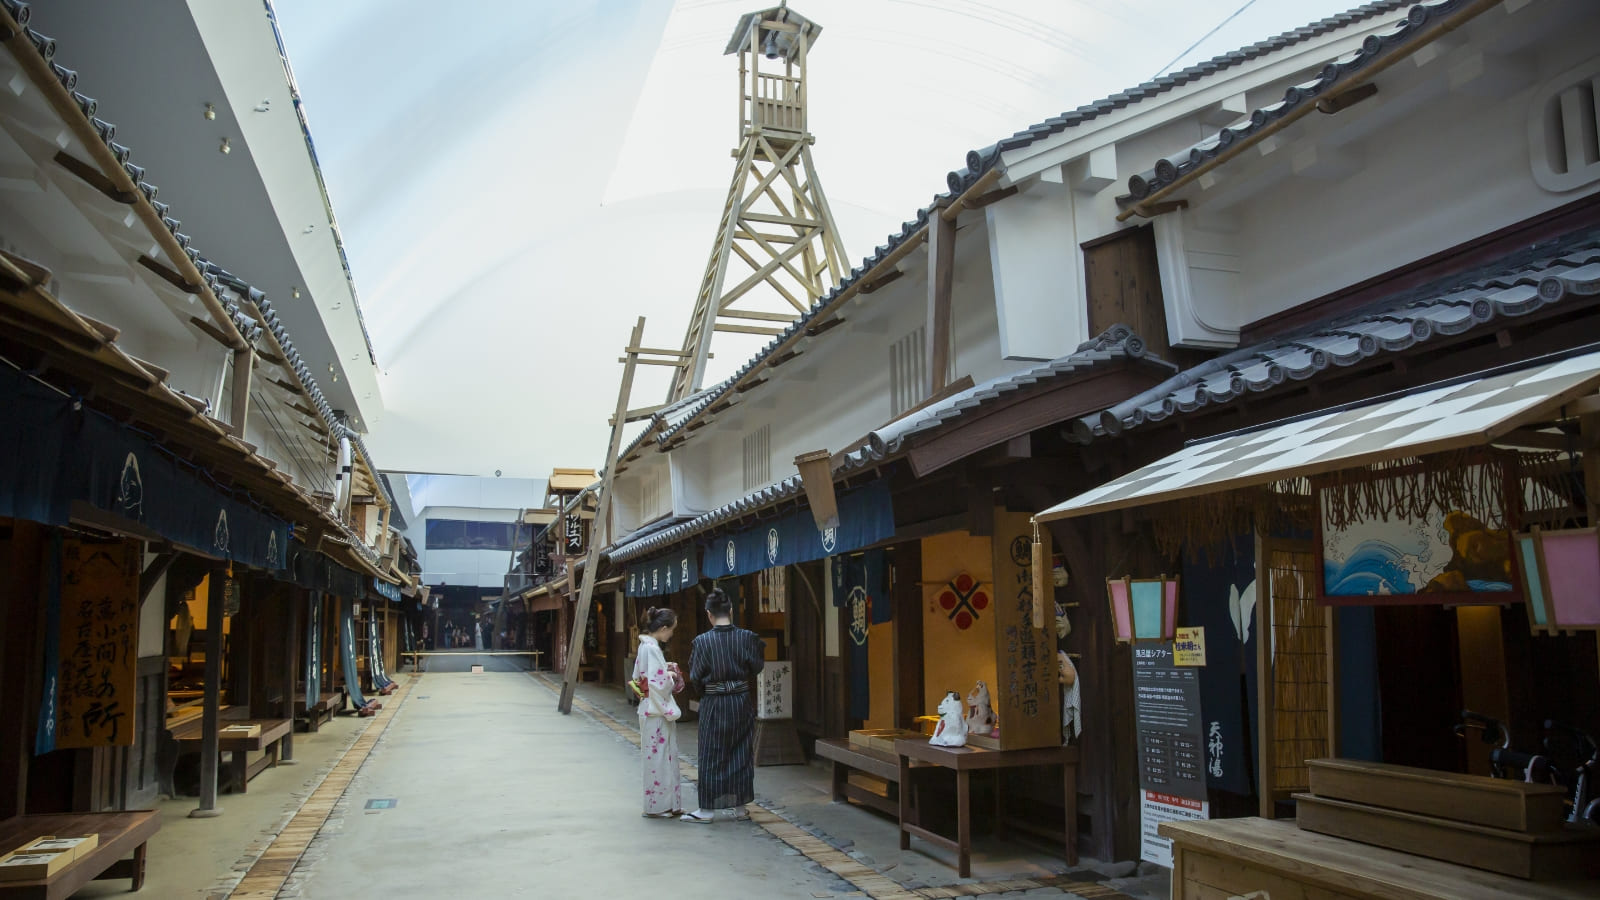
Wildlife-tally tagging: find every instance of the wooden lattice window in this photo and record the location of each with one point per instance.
(1296, 670)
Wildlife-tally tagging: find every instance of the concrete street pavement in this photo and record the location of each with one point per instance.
(495, 794)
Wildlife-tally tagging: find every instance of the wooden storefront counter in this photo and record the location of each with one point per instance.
(1275, 859)
(966, 760)
(120, 833)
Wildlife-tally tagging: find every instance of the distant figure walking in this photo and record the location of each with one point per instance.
(721, 666)
(477, 635)
(654, 682)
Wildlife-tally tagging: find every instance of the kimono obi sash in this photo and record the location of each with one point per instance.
(726, 687)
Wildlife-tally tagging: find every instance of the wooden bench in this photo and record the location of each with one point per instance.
(310, 718)
(121, 833)
(190, 735)
(846, 758)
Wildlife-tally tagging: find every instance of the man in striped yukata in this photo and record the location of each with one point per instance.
(722, 664)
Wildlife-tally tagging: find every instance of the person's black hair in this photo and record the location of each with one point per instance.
(657, 618)
(718, 604)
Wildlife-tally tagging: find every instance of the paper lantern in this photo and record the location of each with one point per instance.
(1143, 609)
(1560, 578)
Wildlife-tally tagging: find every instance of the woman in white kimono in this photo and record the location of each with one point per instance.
(656, 680)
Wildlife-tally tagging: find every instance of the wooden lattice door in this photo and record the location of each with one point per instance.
(1296, 671)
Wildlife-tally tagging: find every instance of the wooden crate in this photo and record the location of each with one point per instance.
(32, 866)
(1543, 856)
(75, 846)
(1491, 802)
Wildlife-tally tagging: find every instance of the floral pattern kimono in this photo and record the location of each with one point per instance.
(658, 730)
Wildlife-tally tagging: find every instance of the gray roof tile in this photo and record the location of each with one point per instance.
(1522, 283)
(1406, 33)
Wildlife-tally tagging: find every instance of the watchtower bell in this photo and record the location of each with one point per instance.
(776, 249)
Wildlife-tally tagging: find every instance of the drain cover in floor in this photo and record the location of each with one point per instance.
(382, 804)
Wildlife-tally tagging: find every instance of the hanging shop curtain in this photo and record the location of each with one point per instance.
(861, 588)
(314, 650)
(664, 574)
(866, 516)
(347, 648)
(53, 454)
(375, 655)
(385, 589)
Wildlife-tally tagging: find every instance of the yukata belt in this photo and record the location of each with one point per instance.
(719, 688)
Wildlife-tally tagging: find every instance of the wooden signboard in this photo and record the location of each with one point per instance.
(99, 643)
(1026, 695)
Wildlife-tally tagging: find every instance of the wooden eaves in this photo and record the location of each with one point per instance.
(122, 187)
(67, 343)
(1158, 200)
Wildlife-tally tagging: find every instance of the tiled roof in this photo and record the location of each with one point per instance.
(641, 544)
(1115, 344)
(981, 161)
(1405, 35)
(1531, 280)
(217, 279)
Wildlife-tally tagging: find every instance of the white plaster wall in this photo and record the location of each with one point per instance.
(1453, 170)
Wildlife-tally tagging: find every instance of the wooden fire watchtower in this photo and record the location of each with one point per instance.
(775, 200)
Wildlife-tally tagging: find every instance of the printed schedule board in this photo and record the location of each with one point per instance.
(1166, 700)
(1167, 720)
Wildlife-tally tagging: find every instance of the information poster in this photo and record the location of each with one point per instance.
(1169, 726)
(1156, 808)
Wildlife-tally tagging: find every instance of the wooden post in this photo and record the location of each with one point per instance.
(591, 566)
(941, 280)
(291, 668)
(244, 363)
(211, 713)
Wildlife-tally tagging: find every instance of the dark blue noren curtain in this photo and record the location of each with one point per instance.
(314, 650)
(347, 650)
(44, 739)
(662, 575)
(1228, 679)
(861, 586)
(52, 454)
(866, 516)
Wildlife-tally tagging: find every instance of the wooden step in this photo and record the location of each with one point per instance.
(1493, 802)
(1572, 852)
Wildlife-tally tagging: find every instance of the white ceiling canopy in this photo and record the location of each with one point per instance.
(513, 197)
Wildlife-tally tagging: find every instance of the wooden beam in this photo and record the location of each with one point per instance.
(211, 330)
(941, 281)
(93, 177)
(757, 316)
(870, 286)
(747, 329)
(169, 275)
(992, 197)
(153, 572)
(1346, 99)
(244, 362)
(591, 569)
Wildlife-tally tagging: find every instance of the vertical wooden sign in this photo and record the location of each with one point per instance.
(1027, 698)
(99, 643)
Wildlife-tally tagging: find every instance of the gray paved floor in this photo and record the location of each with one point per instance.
(498, 795)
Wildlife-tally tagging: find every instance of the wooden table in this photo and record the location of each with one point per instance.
(966, 760)
(1243, 857)
(846, 758)
(190, 735)
(120, 833)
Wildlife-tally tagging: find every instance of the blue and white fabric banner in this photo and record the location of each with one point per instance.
(314, 650)
(866, 516)
(347, 648)
(44, 739)
(663, 574)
